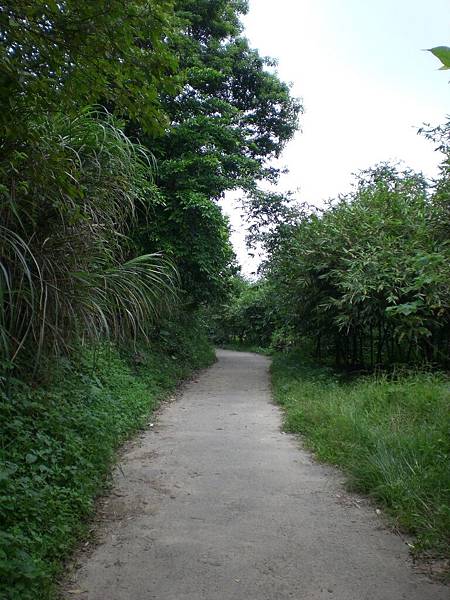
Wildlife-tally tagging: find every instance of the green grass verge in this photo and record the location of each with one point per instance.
(392, 438)
(58, 442)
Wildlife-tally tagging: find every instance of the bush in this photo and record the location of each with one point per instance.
(67, 269)
(367, 278)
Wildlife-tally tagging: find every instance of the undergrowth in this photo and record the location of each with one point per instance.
(241, 347)
(58, 442)
(390, 435)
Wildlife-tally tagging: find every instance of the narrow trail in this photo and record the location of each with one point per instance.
(216, 503)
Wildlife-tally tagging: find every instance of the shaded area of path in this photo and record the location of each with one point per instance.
(216, 503)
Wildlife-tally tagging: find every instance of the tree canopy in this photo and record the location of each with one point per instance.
(67, 54)
(122, 125)
(229, 119)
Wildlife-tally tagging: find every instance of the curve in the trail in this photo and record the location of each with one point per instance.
(215, 503)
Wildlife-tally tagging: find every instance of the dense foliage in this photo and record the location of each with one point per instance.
(67, 267)
(70, 54)
(58, 441)
(86, 210)
(365, 281)
(121, 125)
(246, 318)
(368, 278)
(230, 118)
(70, 179)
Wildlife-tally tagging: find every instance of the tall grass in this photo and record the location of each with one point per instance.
(68, 272)
(391, 436)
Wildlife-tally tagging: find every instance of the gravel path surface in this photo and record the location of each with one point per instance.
(214, 502)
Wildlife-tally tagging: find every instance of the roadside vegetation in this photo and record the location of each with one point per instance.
(58, 443)
(353, 300)
(122, 125)
(389, 433)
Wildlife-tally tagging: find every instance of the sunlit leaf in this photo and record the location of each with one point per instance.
(443, 54)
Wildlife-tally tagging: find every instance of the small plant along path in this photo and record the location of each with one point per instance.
(214, 502)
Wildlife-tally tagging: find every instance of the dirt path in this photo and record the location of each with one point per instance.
(215, 503)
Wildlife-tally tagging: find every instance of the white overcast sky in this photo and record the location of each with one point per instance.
(365, 83)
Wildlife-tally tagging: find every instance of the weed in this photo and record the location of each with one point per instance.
(390, 436)
(57, 443)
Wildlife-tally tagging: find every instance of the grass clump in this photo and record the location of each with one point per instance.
(390, 435)
(58, 441)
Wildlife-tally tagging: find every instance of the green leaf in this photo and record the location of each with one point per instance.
(443, 54)
(6, 472)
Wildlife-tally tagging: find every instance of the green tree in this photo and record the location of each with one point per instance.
(70, 180)
(231, 118)
(247, 315)
(66, 54)
(367, 278)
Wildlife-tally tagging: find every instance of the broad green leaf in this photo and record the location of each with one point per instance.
(443, 54)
